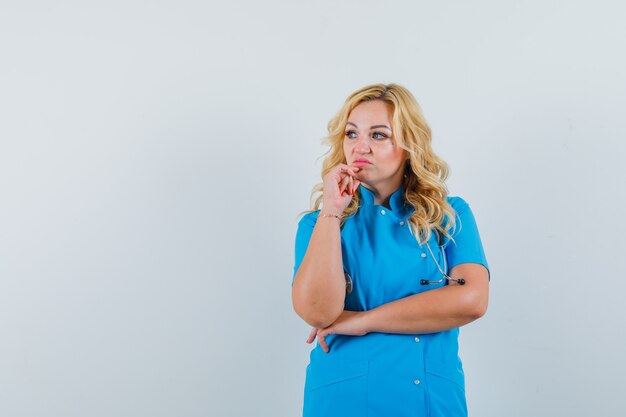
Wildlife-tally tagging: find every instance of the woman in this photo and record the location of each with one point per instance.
(389, 268)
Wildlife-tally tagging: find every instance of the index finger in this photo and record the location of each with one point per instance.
(346, 168)
(323, 344)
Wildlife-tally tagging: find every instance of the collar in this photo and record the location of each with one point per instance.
(396, 201)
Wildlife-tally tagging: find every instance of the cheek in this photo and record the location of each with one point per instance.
(391, 153)
(394, 157)
(346, 147)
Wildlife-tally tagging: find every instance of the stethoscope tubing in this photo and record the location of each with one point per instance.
(444, 272)
(444, 276)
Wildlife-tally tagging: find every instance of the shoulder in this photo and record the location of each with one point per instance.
(309, 219)
(458, 204)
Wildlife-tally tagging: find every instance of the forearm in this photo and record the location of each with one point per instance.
(427, 312)
(318, 293)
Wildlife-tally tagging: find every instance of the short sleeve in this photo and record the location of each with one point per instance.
(303, 236)
(466, 246)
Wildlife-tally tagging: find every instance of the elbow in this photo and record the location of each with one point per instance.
(476, 306)
(314, 314)
(317, 317)
(321, 322)
(479, 310)
(317, 308)
(472, 303)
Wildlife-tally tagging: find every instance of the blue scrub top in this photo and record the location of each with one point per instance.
(389, 374)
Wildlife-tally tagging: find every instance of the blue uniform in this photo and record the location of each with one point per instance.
(389, 374)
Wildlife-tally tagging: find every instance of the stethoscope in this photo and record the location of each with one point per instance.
(444, 276)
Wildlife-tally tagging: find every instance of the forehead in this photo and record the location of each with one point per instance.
(372, 111)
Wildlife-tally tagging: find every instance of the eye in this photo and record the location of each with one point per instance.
(351, 134)
(379, 136)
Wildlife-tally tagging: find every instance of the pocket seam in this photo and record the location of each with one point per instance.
(356, 370)
(337, 381)
(447, 378)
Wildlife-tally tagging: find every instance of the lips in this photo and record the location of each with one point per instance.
(361, 161)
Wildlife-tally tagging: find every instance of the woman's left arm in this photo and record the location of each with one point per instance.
(431, 311)
(452, 305)
(435, 310)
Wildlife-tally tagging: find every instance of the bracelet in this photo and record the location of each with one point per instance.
(329, 215)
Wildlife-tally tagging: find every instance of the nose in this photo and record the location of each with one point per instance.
(362, 145)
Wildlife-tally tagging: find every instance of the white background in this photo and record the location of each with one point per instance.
(154, 156)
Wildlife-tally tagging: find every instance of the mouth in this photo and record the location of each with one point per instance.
(361, 162)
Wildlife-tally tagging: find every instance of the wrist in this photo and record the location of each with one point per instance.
(366, 320)
(332, 213)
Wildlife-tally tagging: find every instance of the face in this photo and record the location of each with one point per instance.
(369, 143)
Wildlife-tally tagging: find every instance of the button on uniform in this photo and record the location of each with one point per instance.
(423, 255)
(417, 382)
(401, 223)
(383, 212)
(417, 339)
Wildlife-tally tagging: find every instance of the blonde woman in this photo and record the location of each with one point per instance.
(387, 268)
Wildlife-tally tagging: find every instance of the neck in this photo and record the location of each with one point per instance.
(382, 193)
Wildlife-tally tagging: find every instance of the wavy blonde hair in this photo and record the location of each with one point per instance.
(425, 172)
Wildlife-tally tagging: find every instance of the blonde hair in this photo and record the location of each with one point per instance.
(425, 172)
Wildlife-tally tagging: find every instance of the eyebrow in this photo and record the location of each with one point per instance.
(372, 127)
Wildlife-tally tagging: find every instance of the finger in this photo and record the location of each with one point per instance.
(343, 184)
(349, 169)
(343, 176)
(312, 335)
(322, 340)
(353, 168)
(351, 185)
(344, 171)
(356, 168)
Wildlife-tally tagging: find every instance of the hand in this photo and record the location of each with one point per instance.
(349, 322)
(338, 181)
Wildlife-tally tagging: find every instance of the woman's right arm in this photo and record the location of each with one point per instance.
(319, 288)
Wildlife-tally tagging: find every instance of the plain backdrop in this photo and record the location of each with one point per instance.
(155, 155)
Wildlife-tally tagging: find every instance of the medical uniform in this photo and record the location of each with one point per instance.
(389, 374)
